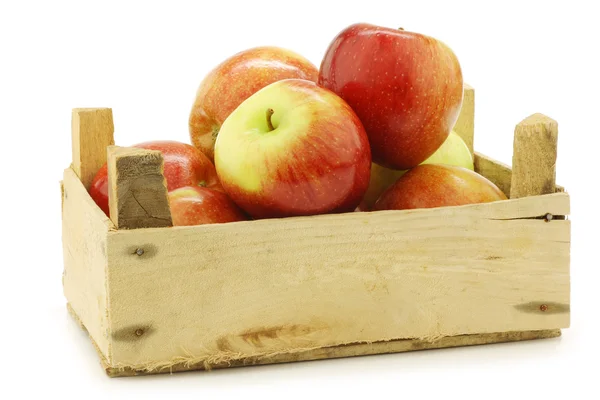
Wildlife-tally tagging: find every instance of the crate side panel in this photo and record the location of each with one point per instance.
(499, 173)
(216, 293)
(84, 235)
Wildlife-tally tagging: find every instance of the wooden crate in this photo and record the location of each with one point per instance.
(156, 298)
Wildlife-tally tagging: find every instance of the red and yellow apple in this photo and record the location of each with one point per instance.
(406, 88)
(438, 185)
(184, 165)
(453, 151)
(233, 81)
(293, 148)
(197, 205)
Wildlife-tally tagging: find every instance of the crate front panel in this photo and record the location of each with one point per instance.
(217, 293)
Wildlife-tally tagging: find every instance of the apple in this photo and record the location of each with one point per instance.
(184, 165)
(196, 205)
(438, 185)
(406, 88)
(453, 151)
(293, 148)
(233, 81)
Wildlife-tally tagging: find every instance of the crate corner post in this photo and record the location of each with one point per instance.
(85, 227)
(92, 130)
(534, 157)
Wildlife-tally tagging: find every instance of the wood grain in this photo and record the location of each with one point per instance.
(84, 236)
(137, 188)
(534, 157)
(350, 350)
(91, 132)
(465, 124)
(249, 289)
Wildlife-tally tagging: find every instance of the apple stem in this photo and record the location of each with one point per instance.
(400, 29)
(269, 123)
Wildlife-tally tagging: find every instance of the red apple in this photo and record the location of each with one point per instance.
(437, 185)
(196, 205)
(293, 148)
(405, 87)
(233, 81)
(453, 151)
(184, 165)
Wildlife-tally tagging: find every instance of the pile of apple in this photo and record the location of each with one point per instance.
(274, 137)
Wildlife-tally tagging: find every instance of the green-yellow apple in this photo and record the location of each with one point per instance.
(197, 205)
(233, 81)
(453, 151)
(406, 88)
(438, 185)
(293, 148)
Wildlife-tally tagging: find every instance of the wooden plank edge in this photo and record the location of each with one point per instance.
(342, 351)
(62, 196)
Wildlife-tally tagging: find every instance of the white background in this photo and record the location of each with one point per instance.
(145, 61)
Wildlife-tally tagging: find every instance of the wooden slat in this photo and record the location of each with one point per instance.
(92, 131)
(499, 173)
(137, 188)
(350, 350)
(84, 234)
(465, 125)
(534, 157)
(252, 288)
